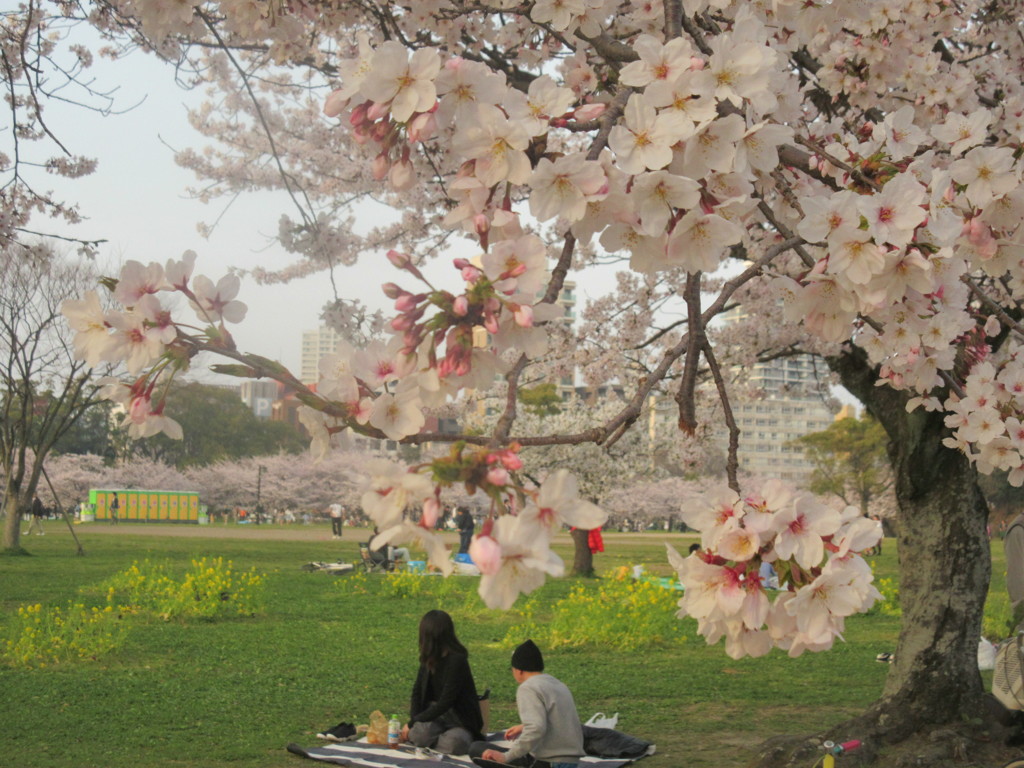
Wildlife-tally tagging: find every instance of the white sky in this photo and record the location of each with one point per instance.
(137, 200)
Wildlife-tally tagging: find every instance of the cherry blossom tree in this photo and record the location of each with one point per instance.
(852, 165)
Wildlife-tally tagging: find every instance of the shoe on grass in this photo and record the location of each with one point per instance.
(340, 732)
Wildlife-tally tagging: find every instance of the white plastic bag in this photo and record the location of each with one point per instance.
(600, 721)
(986, 654)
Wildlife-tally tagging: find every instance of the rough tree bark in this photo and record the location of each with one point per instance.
(944, 567)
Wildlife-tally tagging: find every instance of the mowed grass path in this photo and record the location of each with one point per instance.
(234, 692)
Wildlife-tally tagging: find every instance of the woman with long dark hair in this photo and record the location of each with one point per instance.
(444, 711)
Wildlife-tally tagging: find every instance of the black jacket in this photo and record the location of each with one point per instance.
(449, 688)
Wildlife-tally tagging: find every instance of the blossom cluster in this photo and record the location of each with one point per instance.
(939, 216)
(513, 549)
(435, 349)
(814, 552)
(144, 335)
(673, 187)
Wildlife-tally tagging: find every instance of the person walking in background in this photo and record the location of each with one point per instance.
(464, 521)
(115, 508)
(335, 511)
(36, 512)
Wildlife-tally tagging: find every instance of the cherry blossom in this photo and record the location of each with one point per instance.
(565, 187)
(525, 562)
(558, 504)
(405, 83)
(645, 141)
(93, 342)
(216, 302)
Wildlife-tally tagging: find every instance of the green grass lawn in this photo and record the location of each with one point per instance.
(234, 691)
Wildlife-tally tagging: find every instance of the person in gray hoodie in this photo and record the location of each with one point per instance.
(549, 733)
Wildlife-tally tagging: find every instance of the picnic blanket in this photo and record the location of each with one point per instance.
(361, 754)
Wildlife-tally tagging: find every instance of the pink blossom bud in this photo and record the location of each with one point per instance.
(470, 274)
(696, 63)
(358, 116)
(402, 323)
(497, 476)
(405, 302)
(431, 511)
(361, 135)
(590, 111)
(380, 167)
(511, 461)
(400, 260)
(402, 175)
(334, 104)
(461, 263)
(516, 271)
(380, 130)
(486, 554)
(377, 110)
(392, 291)
(422, 126)
(558, 122)
(523, 315)
(490, 322)
(481, 224)
(460, 307)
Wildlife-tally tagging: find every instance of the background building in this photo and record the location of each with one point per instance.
(316, 344)
(259, 395)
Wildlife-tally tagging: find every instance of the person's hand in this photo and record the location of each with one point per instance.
(404, 736)
(513, 732)
(493, 754)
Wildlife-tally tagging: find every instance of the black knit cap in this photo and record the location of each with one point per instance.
(527, 657)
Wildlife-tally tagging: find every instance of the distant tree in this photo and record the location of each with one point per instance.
(218, 426)
(43, 388)
(286, 481)
(850, 461)
(542, 400)
(92, 433)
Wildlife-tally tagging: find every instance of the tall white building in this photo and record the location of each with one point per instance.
(316, 344)
(787, 402)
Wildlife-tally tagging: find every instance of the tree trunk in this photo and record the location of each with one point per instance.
(944, 562)
(583, 560)
(12, 521)
(944, 566)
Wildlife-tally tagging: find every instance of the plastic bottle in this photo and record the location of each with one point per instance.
(394, 731)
